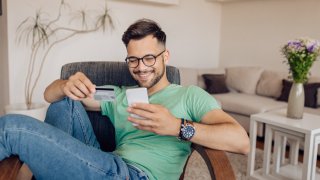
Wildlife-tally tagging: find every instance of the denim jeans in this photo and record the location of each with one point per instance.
(64, 147)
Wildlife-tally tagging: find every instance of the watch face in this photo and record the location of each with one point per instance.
(188, 131)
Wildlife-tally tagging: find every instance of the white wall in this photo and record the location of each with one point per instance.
(252, 32)
(192, 27)
(4, 83)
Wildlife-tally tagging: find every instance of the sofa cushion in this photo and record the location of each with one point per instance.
(270, 84)
(247, 104)
(312, 110)
(310, 92)
(243, 79)
(188, 76)
(193, 76)
(215, 83)
(318, 97)
(313, 79)
(208, 71)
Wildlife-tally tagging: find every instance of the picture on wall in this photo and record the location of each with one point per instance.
(0, 7)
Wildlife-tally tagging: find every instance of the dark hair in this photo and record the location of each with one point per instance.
(143, 28)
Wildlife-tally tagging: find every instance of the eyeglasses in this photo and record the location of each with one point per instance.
(148, 60)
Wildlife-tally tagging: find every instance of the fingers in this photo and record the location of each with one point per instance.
(87, 83)
(70, 95)
(144, 124)
(78, 86)
(157, 119)
(148, 111)
(151, 121)
(148, 116)
(146, 107)
(140, 112)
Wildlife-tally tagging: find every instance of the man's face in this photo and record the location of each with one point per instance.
(144, 75)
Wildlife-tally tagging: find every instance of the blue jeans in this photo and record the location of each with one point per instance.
(64, 147)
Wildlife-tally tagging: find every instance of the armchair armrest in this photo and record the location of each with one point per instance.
(220, 164)
(9, 168)
(217, 162)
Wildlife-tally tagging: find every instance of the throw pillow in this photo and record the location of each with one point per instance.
(243, 79)
(215, 83)
(270, 84)
(310, 91)
(316, 79)
(318, 96)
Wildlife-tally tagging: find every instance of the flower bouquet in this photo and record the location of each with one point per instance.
(300, 55)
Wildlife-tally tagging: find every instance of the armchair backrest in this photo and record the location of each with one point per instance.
(110, 72)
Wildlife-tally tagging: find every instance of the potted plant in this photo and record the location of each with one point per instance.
(42, 35)
(300, 55)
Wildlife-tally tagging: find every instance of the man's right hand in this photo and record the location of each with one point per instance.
(77, 87)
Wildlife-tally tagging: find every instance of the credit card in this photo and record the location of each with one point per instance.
(104, 94)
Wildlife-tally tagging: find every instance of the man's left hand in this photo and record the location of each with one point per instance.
(158, 119)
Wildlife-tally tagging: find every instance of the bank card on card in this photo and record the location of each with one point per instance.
(104, 94)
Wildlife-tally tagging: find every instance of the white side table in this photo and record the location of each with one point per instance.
(306, 130)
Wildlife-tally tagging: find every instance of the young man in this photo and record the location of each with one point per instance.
(155, 148)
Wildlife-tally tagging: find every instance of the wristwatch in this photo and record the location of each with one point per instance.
(187, 130)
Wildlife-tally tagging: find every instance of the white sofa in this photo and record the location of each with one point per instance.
(251, 90)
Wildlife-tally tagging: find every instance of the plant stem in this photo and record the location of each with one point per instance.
(43, 60)
(41, 33)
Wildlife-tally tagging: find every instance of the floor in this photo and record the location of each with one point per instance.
(260, 146)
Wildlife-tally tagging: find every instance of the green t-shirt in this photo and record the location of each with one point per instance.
(161, 157)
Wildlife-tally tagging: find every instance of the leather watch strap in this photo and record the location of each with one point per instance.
(181, 126)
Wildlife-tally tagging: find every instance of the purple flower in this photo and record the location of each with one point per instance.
(310, 48)
(300, 54)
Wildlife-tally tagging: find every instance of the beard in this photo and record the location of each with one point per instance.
(158, 76)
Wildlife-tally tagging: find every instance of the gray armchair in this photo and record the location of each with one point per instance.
(117, 73)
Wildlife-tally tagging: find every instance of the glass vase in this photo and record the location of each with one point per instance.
(296, 101)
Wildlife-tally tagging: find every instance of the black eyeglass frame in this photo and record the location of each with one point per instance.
(141, 59)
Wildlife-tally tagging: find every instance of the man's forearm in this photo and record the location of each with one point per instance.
(224, 136)
(218, 130)
(54, 91)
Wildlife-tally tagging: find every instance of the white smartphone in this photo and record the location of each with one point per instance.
(137, 95)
